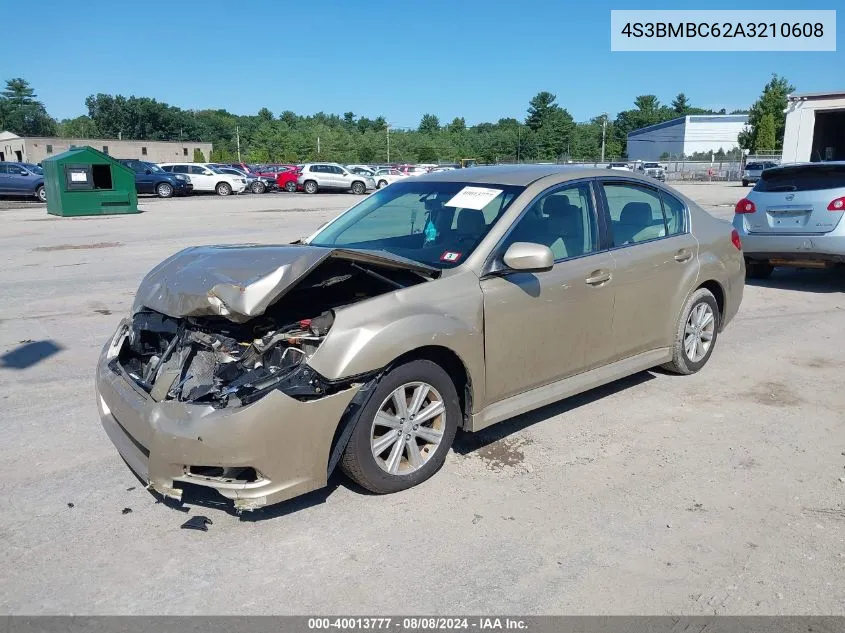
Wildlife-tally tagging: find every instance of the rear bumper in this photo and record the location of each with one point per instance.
(286, 441)
(764, 246)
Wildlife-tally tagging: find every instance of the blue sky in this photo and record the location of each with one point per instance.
(400, 59)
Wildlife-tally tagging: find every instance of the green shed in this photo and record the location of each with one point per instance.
(84, 181)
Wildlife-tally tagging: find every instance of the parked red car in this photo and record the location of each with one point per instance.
(285, 175)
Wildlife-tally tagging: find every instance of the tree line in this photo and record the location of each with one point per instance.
(548, 132)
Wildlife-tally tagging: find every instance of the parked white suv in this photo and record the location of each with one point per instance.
(205, 177)
(321, 176)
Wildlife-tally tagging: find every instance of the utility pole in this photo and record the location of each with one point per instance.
(318, 147)
(603, 134)
(518, 140)
(238, 135)
(388, 142)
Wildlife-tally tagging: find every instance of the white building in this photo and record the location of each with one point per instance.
(815, 127)
(686, 135)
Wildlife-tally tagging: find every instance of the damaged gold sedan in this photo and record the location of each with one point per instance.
(453, 300)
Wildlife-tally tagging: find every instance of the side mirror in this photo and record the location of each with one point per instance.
(208, 173)
(148, 171)
(529, 257)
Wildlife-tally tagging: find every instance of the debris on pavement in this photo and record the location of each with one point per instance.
(198, 522)
(126, 510)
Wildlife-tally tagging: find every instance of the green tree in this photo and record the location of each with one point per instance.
(458, 124)
(539, 108)
(265, 114)
(647, 103)
(19, 93)
(429, 124)
(772, 102)
(765, 141)
(79, 127)
(199, 157)
(21, 113)
(681, 104)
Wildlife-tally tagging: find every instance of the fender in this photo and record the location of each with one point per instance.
(369, 335)
(360, 350)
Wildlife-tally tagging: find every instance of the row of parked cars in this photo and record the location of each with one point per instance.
(168, 179)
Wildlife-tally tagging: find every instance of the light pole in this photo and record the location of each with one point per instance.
(387, 127)
(603, 134)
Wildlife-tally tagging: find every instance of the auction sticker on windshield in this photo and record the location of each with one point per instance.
(473, 198)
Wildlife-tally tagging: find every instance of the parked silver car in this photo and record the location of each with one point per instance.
(793, 217)
(752, 171)
(322, 176)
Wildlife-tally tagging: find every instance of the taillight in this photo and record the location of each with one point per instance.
(745, 206)
(735, 240)
(837, 205)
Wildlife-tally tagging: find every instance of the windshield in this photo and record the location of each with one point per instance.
(153, 167)
(35, 169)
(435, 223)
(651, 166)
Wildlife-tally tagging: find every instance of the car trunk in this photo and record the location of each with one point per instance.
(794, 200)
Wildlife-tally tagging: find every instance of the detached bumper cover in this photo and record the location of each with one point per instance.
(287, 441)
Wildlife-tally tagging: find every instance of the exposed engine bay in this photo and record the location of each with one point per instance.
(213, 360)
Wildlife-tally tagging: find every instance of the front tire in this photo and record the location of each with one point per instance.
(695, 338)
(405, 430)
(223, 189)
(358, 188)
(41, 194)
(164, 190)
(744, 183)
(310, 186)
(290, 186)
(382, 183)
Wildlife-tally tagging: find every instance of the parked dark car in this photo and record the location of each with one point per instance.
(150, 178)
(22, 179)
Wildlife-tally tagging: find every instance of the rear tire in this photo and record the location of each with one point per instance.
(744, 183)
(371, 472)
(223, 189)
(258, 187)
(694, 328)
(382, 183)
(41, 194)
(164, 190)
(310, 186)
(290, 186)
(758, 270)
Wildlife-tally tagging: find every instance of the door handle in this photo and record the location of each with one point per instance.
(683, 256)
(599, 277)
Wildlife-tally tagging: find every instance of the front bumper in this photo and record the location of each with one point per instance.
(286, 441)
(765, 246)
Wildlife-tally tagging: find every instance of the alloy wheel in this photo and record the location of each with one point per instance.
(699, 332)
(408, 428)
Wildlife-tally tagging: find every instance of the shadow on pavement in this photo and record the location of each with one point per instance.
(469, 442)
(804, 280)
(29, 353)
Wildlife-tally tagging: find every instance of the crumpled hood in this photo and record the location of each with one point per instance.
(239, 282)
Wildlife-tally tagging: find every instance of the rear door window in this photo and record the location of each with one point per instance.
(636, 213)
(802, 178)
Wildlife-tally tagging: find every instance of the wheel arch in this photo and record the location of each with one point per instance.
(446, 358)
(718, 292)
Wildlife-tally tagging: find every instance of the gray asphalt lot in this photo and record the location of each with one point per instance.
(722, 492)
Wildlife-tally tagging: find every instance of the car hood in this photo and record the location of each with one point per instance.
(239, 282)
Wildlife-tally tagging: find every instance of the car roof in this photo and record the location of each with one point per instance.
(521, 175)
(819, 164)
